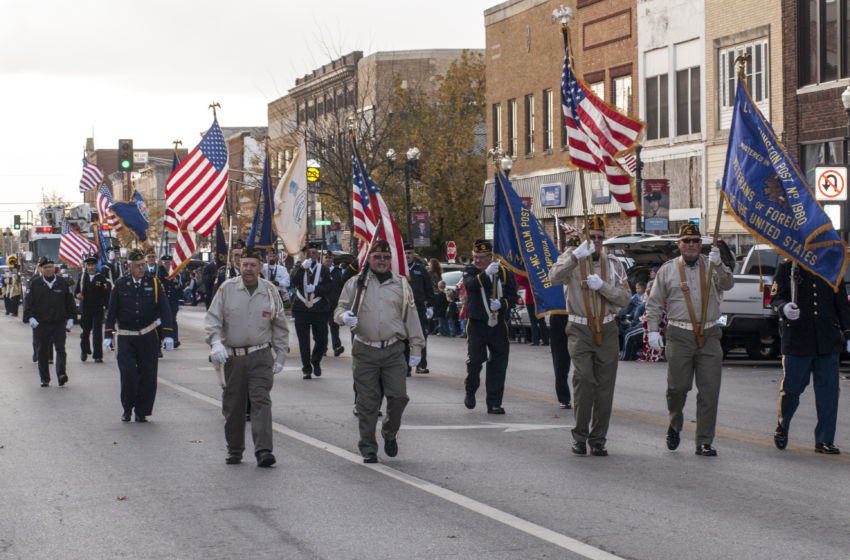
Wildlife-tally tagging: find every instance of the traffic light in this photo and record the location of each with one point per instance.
(17, 221)
(125, 155)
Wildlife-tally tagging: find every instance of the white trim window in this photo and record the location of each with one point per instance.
(548, 132)
(757, 78)
(512, 128)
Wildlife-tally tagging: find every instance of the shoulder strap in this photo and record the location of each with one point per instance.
(405, 298)
(686, 291)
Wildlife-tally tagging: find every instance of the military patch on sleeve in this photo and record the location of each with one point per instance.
(774, 289)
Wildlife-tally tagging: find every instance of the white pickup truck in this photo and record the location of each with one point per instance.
(746, 316)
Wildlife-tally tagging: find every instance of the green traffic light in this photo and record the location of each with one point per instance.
(125, 164)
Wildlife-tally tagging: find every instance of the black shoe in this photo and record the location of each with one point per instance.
(469, 401)
(63, 379)
(422, 370)
(598, 450)
(45, 384)
(495, 410)
(317, 370)
(159, 354)
(565, 406)
(391, 447)
(83, 356)
(579, 448)
(265, 459)
(177, 344)
(98, 360)
(34, 358)
(706, 450)
(140, 418)
(338, 350)
(125, 417)
(307, 376)
(827, 449)
(672, 438)
(780, 437)
(371, 458)
(233, 458)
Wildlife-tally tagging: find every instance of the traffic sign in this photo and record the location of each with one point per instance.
(322, 222)
(831, 183)
(451, 251)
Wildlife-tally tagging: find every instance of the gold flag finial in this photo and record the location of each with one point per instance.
(212, 106)
(177, 143)
(742, 60)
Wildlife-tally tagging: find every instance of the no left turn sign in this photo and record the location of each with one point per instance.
(831, 183)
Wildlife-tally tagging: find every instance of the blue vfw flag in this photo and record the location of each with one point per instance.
(262, 234)
(767, 194)
(133, 215)
(525, 247)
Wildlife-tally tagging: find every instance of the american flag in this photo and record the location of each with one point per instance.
(73, 247)
(197, 188)
(369, 206)
(598, 134)
(186, 244)
(105, 216)
(92, 176)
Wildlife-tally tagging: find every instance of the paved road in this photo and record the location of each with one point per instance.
(78, 483)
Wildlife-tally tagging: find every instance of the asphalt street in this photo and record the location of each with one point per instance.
(78, 483)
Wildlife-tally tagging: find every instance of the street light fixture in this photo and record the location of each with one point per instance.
(410, 163)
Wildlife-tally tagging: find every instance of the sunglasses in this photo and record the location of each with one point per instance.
(382, 257)
(690, 240)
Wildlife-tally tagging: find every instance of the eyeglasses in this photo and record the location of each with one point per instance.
(597, 237)
(691, 240)
(382, 257)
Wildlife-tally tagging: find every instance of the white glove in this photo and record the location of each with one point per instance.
(791, 311)
(277, 368)
(168, 343)
(714, 256)
(847, 347)
(69, 325)
(414, 361)
(349, 318)
(594, 282)
(107, 344)
(33, 322)
(429, 313)
(492, 268)
(584, 250)
(307, 264)
(310, 288)
(655, 340)
(495, 305)
(218, 352)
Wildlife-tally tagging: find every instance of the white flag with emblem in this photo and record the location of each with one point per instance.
(290, 204)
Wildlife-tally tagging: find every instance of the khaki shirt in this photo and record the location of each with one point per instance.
(667, 287)
(380, 316)
(239, 319)
(615, 289)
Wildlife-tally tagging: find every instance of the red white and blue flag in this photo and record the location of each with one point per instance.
(92, 176)
(598, 135)
(186, 243)
(105, 216)
(73, 247)
(197, 188)
(369, 208)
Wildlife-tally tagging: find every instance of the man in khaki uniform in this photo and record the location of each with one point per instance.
(244, 323)
(590, 275)
(690, 356)
(381, 319)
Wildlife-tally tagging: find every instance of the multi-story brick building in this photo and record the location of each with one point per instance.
(734, 28)
(107, 161)
(524, 57)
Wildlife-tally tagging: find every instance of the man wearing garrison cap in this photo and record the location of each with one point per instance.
(693, 353)
(310, 309)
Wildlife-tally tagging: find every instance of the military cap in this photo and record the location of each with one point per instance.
(596, 222)
(90, 259)
(252, 253)
(238, 244)
(136, 255)
(165, 258)
(408, 246)
(45, 260)
(689, 229)
(380, 246)
(328, 254)
(574, 241)
(651, 197)
(482, 246)
(149, 250)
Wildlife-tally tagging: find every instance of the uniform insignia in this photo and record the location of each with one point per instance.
(774, 289)
(267, 314)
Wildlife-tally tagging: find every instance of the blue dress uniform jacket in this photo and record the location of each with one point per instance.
(474, 280)
(134, 309)
(325, 289)
(420, 283)
(824, 322)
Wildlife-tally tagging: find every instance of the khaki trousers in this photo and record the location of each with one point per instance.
(594, 374)
(378, 372)
(687, 362)
(248, 377)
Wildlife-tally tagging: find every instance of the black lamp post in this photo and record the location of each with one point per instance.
(410, 163)
(845, 101)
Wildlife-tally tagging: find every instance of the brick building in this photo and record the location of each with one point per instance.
(107, 161)
(524, 57)
(732, 29)
(246, 158)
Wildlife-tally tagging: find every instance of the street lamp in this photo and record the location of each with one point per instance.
(410, 163)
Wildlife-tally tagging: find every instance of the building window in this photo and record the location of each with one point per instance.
(756, 73)
(497, 126)
(621, 93)
(598, 89)
(687, 101)
(548, 139)
(512, 124)
(656, 107)
(529, 124)
(823, 40)
(820, 153)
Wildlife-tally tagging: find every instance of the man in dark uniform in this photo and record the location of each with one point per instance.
(335, 275)
(423, 296)
(491, 291)
(151, 267)
(112, 269)
(814, 326)
(173, 290)
(231, 270)
(310, 309)
(92, 290)
(138, 304)
(50, 311)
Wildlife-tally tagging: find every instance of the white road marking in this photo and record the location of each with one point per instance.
(491, 426)
(538, 531)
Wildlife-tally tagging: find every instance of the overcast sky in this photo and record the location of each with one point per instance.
(147, 70)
